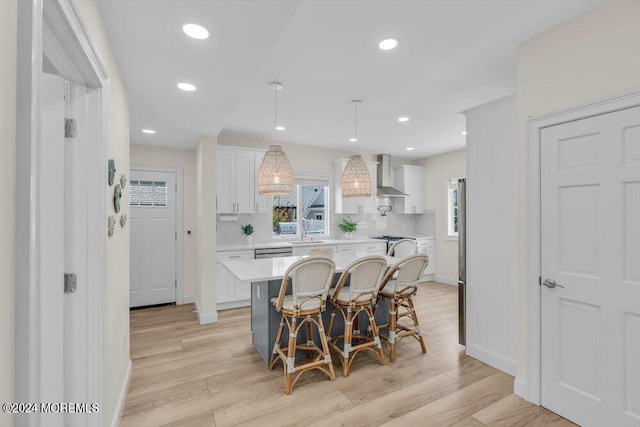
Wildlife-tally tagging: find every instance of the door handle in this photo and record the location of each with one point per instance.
(550, 283)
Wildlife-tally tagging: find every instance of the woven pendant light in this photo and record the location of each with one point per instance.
(356, 178)
(275, 177)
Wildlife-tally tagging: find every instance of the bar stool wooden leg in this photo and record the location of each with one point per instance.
(291, 357)
(333, 316)
(325, 348)
(274, 355)
(346, 350)
(310, 342)
(374, 330)
(416, 324)
(393, 319)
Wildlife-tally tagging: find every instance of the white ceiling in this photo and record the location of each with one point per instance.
(452, 55)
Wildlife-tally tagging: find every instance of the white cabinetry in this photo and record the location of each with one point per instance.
(353, 205)
(409, 179)
(263, 204)
(230, 291)
(306, 250)
(427, 246)
(237, 173)
(365, 249)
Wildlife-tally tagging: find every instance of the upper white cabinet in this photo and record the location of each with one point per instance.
(237, 173)
(353, 205)
(409, 179)
(263, 204)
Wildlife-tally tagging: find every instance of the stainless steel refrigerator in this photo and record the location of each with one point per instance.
(462, 259)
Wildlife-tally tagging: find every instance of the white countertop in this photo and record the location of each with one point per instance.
(260, 270)
(288, 244)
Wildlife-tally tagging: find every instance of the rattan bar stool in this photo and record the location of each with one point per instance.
(310, 279)
(365, 275)
(403, 248)
(397, 290)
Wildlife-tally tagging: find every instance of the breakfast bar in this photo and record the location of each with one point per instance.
(265, 276)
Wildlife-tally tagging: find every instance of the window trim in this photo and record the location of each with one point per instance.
(448, 207)
(309, 178)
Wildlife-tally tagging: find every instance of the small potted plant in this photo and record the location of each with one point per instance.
(348, 227)
(247, 230)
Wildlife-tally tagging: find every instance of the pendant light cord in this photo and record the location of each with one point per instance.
(275, 114)
(356, 123)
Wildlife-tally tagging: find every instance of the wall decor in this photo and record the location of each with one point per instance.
(111, 223)
(117, 194)
(123, 220)
(112, 171)
(123, 180)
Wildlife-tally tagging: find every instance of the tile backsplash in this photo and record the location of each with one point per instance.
(229, 232)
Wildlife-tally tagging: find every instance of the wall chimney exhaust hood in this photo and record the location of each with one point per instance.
(384, 178)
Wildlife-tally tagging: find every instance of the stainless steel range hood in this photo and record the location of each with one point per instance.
(384, 178)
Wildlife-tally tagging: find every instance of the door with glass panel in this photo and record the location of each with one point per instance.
(152, 197)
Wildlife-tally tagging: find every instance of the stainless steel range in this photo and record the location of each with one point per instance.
(392, 240)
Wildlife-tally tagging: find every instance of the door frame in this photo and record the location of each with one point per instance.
(530, 387)
(55, 26)
(179, 222)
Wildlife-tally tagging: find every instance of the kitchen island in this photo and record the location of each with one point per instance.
(265, 276)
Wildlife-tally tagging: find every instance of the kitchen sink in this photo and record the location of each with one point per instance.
(309, 242)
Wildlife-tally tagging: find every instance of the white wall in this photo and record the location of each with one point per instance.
(144, 155)
(592, 56)
(436, 171)
(491, 312)
(8, 65)
(206, 224)
(115, 350)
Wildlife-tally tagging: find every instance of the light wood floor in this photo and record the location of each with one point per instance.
(185, 374)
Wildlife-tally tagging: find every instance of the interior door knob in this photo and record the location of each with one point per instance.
(550, 283)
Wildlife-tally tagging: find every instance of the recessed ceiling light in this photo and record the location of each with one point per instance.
(464, 132)
(410, 148)
(187, 87)
(195, 31)
(403, 119)
(279, 127)
(353, 140)
(150, 131)
(388, 44)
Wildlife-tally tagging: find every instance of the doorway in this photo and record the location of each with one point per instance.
(156, 251)
(60, 225)
(584, 288)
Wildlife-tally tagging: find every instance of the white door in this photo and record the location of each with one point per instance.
(590, 197)
(153, 238)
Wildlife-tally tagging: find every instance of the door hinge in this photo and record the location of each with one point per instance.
(70, 128)
(176, 186)
(176, 234)
(176, 283)
(539, 280)
(69, 283)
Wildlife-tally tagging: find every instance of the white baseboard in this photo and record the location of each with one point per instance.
(189, 299)
(233, 304)
(520, 388)
(445, 280)
(123, 395)
(492, 358)
(205, 318)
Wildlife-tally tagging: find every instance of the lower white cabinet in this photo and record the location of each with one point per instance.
(230, 291)
(307, 250)
(427, 246)
(364, 249)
